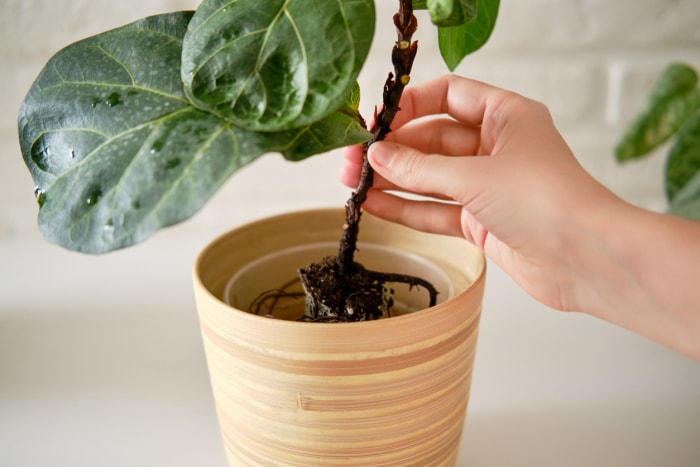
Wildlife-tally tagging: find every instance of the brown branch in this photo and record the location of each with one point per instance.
(402, 56)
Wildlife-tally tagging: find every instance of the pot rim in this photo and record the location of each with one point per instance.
(241, 314)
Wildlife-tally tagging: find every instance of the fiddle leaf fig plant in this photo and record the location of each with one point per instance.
(134, 129)
(672, 113)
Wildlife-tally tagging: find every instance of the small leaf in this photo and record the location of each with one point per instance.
(677, 78)
(324, 135)
(673, 100)
(459, 41)
(276, 64)
(687, 202)
(351, 103)
(449, 13)
(683, 161)
(344, 125)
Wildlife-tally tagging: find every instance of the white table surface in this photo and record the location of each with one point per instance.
(101, 364)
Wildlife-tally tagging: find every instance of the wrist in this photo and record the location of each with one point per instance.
(636, 271)
(597, 259)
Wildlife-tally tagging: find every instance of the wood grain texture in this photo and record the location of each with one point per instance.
(381, 393)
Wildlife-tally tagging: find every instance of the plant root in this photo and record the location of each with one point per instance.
(360, 295)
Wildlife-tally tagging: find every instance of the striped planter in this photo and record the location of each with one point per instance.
(381, 393)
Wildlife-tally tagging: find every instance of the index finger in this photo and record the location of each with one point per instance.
(465, 100)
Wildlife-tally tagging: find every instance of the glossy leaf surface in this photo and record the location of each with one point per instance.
(117, 151)
(459, 41)
(275, 64)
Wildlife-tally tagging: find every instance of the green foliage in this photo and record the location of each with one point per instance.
(687, 201)
(276, 67)
(673, 112)
(464, 25)
(448, 13)
(134, 129)
(683, 161)
(674, 98)
(117, 151)
(459, 41)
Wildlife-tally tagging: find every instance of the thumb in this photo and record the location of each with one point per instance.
(414, 171)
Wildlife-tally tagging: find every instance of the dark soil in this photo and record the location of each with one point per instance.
(358, 295)
(355, 296)
(330, 297)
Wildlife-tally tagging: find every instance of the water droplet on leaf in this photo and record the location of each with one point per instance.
(108, 234)
(40, 196)
(172, 163)
(114, 99)
(157, 146)
(93, 197)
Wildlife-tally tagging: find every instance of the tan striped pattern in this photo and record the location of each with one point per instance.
(384, 393)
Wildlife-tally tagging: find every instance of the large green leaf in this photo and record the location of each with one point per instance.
(674, 99)
(683, 162)
(459, 41)
(117, 151)
(275, 64)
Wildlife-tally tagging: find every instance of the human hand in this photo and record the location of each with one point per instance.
(496, 172)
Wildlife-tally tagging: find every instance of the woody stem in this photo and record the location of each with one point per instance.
(402, 56)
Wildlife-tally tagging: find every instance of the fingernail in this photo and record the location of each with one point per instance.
(382, 153)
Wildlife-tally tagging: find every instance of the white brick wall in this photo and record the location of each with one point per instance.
(591, 61)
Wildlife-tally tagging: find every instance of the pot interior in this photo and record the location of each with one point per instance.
(274, 277)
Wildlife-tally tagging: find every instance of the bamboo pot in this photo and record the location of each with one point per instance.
(381, 393)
